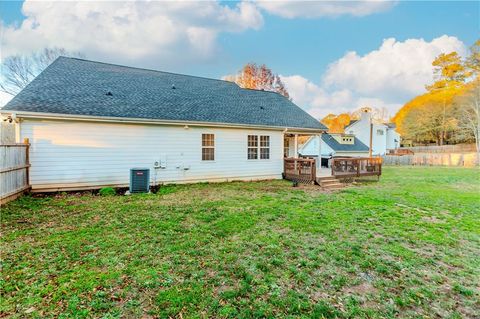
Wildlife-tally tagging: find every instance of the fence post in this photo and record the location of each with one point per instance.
(27, 159)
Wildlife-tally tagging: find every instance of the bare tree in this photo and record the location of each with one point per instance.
(379, 115)
(252, 76)
(19, 70)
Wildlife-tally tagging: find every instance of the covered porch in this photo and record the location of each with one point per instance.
(308, 169)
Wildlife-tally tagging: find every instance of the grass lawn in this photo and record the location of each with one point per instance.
(408, 246)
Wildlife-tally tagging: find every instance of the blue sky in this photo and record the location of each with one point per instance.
(309, 47)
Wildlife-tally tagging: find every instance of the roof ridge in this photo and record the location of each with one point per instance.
(145, 69)
(77, 86)
(167, 72)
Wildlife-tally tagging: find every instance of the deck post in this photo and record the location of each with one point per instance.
(295, 145)
(319, 162)
(314, 171)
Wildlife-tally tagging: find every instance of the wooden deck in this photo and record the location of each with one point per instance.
(301, 170)
(356, 167)
(304, 170)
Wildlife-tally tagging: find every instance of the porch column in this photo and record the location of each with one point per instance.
(319, 161)
(295, 146)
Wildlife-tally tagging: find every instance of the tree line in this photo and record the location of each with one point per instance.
(449, 111)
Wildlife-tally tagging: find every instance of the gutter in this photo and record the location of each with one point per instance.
(110, 119)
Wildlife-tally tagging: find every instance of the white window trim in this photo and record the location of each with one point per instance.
(258, 147)
(214, 147)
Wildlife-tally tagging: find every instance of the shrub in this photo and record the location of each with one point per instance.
(107, 191)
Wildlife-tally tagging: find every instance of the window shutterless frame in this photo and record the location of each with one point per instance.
(264, 147)
(208, 147)
(258, 147)
(252, 151)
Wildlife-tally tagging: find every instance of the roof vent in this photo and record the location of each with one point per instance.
(173, 87)
(109, 93)
(261, 107)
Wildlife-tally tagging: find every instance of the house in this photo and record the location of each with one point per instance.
(384, 136)
(334, 145)
(89, 123)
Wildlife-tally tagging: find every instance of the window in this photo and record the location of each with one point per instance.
(379, 132)
(256, 149)
(252, 147)
(286, 147)
(208, 147)
(264, 147)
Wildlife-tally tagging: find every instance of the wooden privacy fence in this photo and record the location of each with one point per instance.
(401, 151)
(14, 170)
(302, 170)
(458, 148)
(356, 167)
(433, 159)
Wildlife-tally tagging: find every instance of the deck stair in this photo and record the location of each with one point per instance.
(330, 183)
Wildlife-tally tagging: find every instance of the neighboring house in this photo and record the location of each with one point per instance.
(334, 145)
(384, 136)
(89, 123)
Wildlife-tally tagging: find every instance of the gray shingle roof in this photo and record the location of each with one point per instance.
(351, 122)
(357, 146)
(79, 87)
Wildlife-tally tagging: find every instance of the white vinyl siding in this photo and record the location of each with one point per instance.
(77, 153)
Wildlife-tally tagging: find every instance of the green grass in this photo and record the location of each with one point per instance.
(408, 246)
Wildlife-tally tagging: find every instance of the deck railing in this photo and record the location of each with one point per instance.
(302, 170)
(356, 167)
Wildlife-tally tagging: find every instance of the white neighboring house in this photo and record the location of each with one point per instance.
(334, 145)
(384, 136)
(89, 123)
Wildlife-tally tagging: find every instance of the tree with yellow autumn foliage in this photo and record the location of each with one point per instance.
(252, 76)
(433, 116)
(467, 107)
(336, 123)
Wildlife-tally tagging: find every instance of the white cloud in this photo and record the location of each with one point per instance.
(170, 32)
(396, 70)
(383, 78)
(315, 99)
(154, 33)
(4, 98)
(317, 9)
